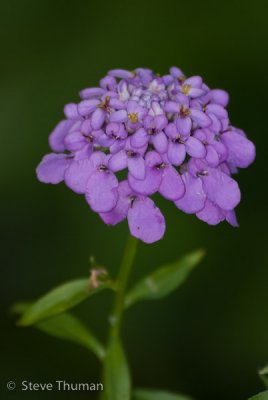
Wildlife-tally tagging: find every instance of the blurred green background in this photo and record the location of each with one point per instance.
(209, 338)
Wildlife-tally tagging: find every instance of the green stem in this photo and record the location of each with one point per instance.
(122, 281)
(121, 284)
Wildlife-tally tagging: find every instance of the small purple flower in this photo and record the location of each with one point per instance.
(129, 158)
(186, 116)
(181, 144)
(145, 220)
(168, 134)
(152, 132)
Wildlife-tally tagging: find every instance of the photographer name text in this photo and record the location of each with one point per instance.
(59, 385)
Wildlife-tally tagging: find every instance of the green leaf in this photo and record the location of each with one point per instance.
(146, 394)
(65, 326)
(260, 396)
(117, 383)
(264, 375)
(164, 280)
(59, 300)
(20, 307)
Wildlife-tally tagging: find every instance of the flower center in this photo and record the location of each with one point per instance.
(184, 112)
(104, 105)
(178, 139)
(115, 137)
(133, 117)
(131, 153)
(202, 173)
(181, 79)
(161, 166)
(89, 138)
(132, 199)
(102, 168)
(186, 88)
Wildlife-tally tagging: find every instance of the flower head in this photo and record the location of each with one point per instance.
(170, 134)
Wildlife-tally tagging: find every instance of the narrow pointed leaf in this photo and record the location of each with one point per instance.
(65, 326)
(164, 280)
(260, 396)
(264, 375)
(117, 383)
(59, 300)
(147, 394)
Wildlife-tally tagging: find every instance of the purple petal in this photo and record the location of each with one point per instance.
(119, 212)
(52, 168)
(200, 118)
(241, 151)
(195, 148)
(136, 166)
(221, 189)
(85, 152)
(212, 156)
(86, 107)
(183, 100)
(117, 104)
(118, 161)
(216, 125)
(176, 153)
(121, 73)
(101, 191)
(171, 131)
(118, 116)
(157, 109)
(140, 138)
(195, 166)
(172, 186)
(176, 72)
(231, 219)
(103, 140)
(184, 125)
(149, 185)
(153, 159)
(108, 83)
(160, 121)
(194, 197)
(195, 81)
(195, 92)
(221, 150)
(98, 158)
(160, 142)
(77, 174)
(219, 96)
(97, 118)
(56, 138)
(146, 221)
(71, 111)
(117, 146)
(172, 107)
(200, 134)
(211, 214)
(74, 141)
(91, 92)
(217, 110)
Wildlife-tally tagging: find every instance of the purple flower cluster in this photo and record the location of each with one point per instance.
(168, 134)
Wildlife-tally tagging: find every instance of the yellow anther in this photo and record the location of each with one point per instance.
(133, 117)
(186, 88)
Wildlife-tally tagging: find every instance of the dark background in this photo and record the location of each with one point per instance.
(209, 338)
